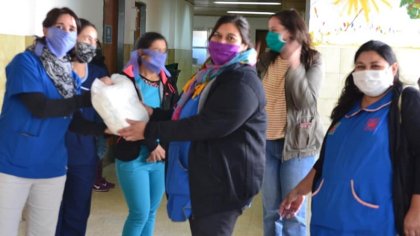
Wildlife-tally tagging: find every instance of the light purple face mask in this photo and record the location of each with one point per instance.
(220, 53)
(59, 42)
(156, 61)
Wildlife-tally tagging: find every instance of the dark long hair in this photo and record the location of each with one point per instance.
(295, 24)
(350, 93)
(241, 24)
(55, 13)
(52, 17)
(146, 40)
(83, 24)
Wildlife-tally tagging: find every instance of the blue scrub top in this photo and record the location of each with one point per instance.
(30, 147)
(355, 192)
(177, 182)
(82, 148)
(150, 93)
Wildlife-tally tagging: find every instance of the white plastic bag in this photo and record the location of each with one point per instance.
(117, 102)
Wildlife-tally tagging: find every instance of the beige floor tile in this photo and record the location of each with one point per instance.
(109, 212)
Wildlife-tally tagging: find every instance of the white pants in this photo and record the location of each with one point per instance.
(42, 198)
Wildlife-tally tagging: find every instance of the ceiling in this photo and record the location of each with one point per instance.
(208, 8)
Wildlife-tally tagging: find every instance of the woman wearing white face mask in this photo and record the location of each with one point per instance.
(367, 181)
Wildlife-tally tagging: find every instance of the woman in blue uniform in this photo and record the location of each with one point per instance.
(41, 96)
(82, 161)
(365, 180)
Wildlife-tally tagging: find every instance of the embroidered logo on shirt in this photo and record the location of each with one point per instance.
(371, 124)
(333, 129)
(305, 125)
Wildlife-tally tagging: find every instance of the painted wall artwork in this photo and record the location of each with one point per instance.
(352, 22)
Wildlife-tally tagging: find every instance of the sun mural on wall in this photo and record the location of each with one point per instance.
(358, 6)
(350, 22)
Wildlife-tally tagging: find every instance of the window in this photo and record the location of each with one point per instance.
(199, 47)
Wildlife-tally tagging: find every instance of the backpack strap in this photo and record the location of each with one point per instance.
(400, 98)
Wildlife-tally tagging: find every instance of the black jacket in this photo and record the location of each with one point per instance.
(404, 136)
(128, 150)
(227, 153)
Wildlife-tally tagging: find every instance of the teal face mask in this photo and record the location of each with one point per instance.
(274, 41)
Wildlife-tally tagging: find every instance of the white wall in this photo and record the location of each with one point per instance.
(171, 18)
(24, 17)
(130, 21)
(206, 22)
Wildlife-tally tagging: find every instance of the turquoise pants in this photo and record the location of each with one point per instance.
(143, 185)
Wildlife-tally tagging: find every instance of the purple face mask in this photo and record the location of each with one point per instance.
(59, 41)
(156, 60)
(220, 53)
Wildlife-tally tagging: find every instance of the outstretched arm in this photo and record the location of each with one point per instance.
(293, 201)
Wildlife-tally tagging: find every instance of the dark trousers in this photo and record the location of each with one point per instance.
(75, 207)
(220, 224)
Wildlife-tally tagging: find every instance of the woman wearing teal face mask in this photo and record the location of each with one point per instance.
(291, 75)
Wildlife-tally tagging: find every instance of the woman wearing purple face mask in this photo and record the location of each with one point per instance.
(291, 74)
(41, 97)
(217, 135)
(140, 165)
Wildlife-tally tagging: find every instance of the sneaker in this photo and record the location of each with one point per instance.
(100, 188)
(107, 184)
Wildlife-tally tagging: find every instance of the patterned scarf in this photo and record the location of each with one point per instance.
(209, 71)
(59, 70)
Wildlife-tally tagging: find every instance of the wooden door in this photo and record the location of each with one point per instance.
(110, 33)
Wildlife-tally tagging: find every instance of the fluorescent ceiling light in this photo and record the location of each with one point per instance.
(249, 3)
(251, 12)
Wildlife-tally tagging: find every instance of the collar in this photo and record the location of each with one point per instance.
(129, 70)
(378, 105)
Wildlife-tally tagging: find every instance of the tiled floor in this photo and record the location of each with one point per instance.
(109, 212)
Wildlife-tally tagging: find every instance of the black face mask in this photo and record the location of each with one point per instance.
(85, 52)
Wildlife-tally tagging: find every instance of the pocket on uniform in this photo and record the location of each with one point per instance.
(177, 176)
(303, 130)
(314, 193)
(359, 199)
(25, 149)
(31, 128)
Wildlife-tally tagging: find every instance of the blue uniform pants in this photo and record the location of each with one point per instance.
(143, 185)
(75, 207)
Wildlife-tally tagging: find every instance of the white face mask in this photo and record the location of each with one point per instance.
(373, 82)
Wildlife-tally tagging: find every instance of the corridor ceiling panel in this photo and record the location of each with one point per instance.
(210, 8)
